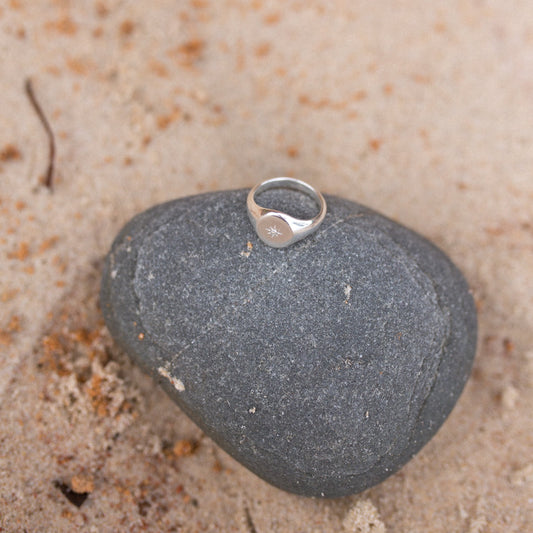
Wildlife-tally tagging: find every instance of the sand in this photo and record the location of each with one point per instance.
(423, 111)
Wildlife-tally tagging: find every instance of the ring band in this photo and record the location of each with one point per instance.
(278, 229)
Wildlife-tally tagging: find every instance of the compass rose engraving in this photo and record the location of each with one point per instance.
(273, 231)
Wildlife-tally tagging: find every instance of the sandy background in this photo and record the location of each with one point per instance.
(421, 110)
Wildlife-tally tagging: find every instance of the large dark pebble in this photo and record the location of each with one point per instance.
(322, 367)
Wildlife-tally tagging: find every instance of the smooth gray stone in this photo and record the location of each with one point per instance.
(322, 367)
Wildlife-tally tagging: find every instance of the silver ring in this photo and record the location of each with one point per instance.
(279, 229)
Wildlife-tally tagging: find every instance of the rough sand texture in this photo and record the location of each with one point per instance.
(421, 110)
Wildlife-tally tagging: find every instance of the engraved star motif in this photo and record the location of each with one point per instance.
(273, 231)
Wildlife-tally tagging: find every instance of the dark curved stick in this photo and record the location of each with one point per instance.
(49, 176)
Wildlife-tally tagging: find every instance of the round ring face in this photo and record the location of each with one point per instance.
(279, 229)
(274, 231)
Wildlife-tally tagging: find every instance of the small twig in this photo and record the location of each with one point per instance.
(249, 521)
(49, 176)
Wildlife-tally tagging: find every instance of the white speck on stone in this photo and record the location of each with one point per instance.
(347, 292)
(128, 249)
(367, 414)
(251, 410)
(178, 384)
(114, 274)
(248, 251)
(151, 277)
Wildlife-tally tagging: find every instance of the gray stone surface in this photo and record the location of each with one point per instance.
(322, 367)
